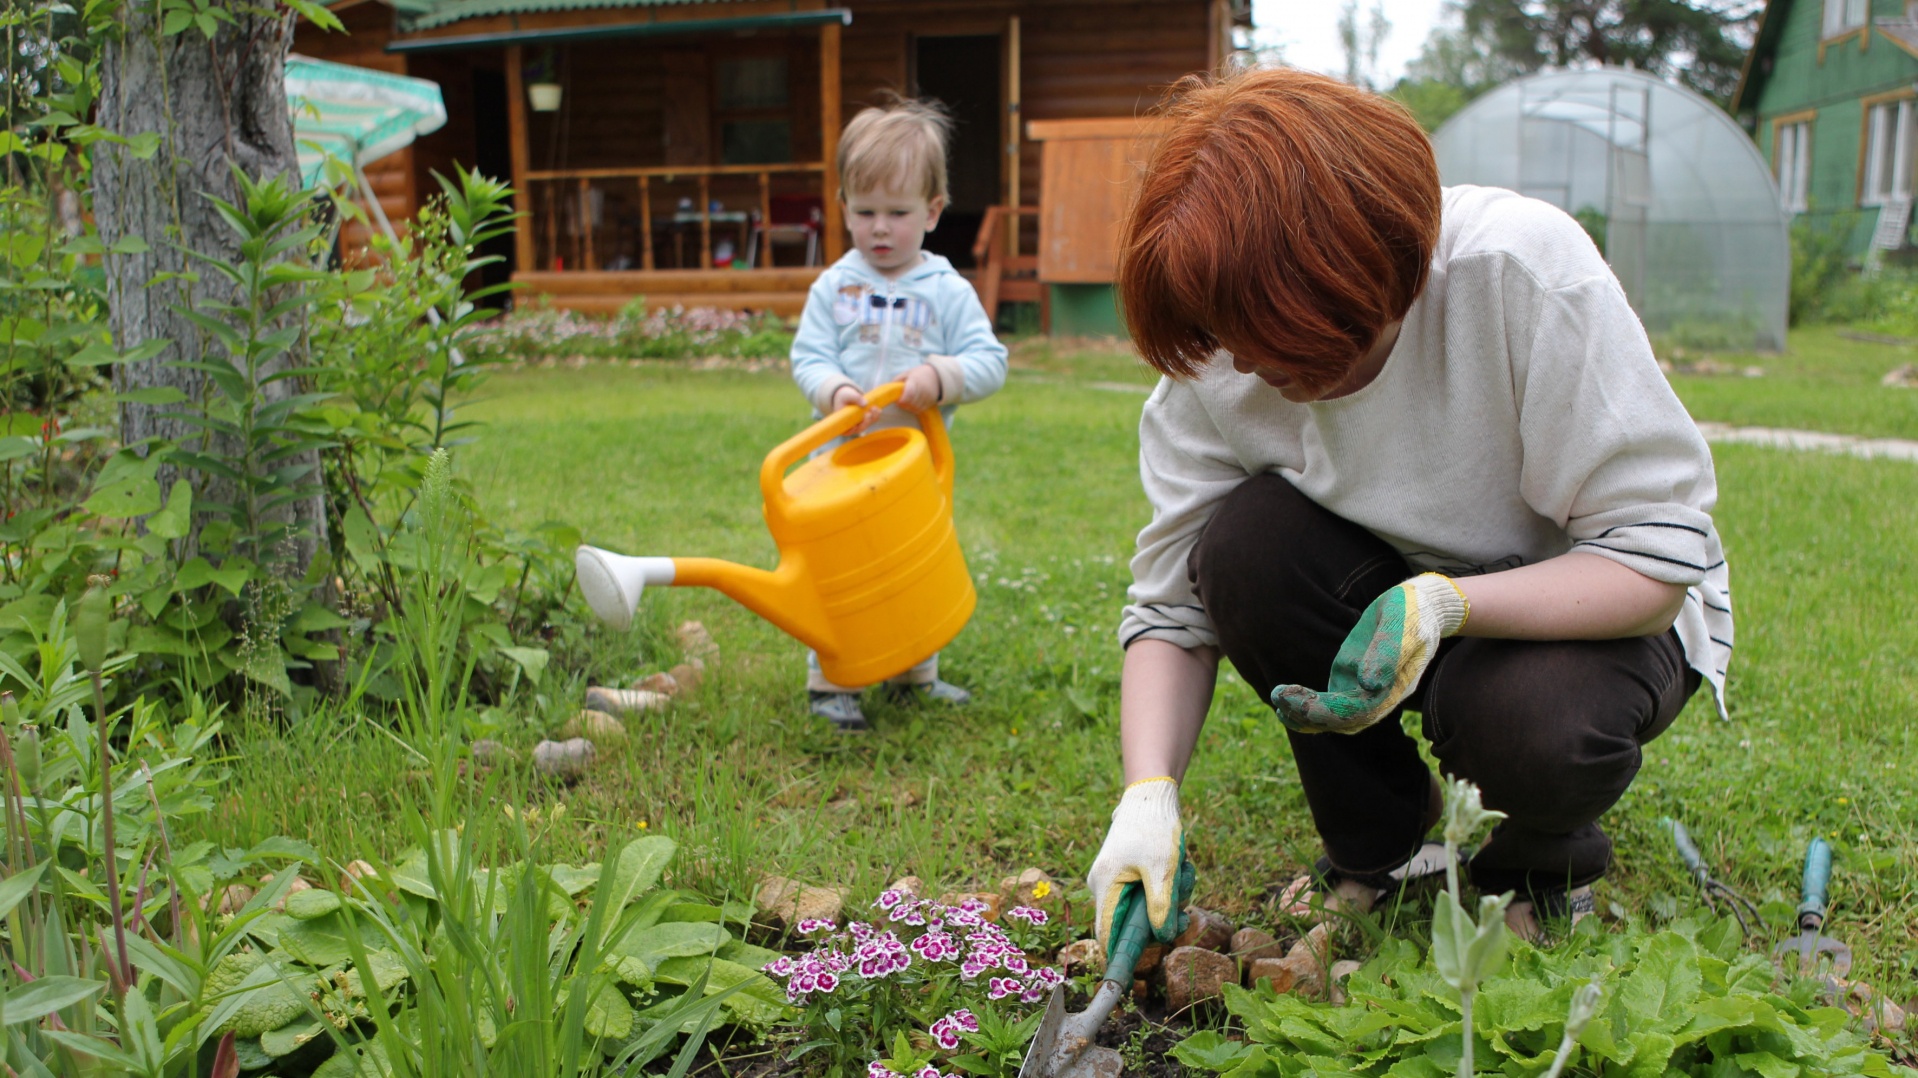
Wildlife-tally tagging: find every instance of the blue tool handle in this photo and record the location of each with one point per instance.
(1817, 881)
(1129, 940)
(1687, 851)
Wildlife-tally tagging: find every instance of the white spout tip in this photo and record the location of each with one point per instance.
(612, 583)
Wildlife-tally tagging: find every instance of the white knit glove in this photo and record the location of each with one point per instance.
(1143, 844)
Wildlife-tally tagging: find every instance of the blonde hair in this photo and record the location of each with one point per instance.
(900, 145)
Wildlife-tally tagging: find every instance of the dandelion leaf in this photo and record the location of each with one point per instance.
(573, 879)
(250, 1055)
(632, 970)
(758, 1002)
(672, 939)
(255, 991)
(306, 905)
(321, 941)
(366, 1060)
(387, 970)
(291, 1037)
(747, 955)
(608, 1015)
(635, 870)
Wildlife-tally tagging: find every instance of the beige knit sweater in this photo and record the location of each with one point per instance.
(1520, 416)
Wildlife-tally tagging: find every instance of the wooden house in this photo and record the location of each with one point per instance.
(689, 156)
(1830, 91)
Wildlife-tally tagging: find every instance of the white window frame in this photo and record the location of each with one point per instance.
(1844, 15)
(1791, 163)
(1890, 141)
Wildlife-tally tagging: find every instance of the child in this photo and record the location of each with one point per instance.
(890, 312)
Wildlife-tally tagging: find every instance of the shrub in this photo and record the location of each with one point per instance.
(538, 332)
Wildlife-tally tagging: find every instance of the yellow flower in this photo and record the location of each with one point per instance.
(1041, 889)
(642, 825)
(1844, 800)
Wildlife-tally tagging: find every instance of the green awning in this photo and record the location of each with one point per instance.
(644, 28)
(355, 114)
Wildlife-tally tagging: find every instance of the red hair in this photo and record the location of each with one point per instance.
(1285, 217)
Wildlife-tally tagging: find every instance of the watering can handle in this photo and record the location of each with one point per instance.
(772, 474)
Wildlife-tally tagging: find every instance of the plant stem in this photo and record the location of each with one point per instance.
(1465, 1068)
(1565, 1045)
(123, 975)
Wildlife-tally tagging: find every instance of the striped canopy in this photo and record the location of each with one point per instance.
(355, 114)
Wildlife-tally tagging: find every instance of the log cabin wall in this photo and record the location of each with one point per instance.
(394, 178)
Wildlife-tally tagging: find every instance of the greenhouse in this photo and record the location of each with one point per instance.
(1673, 192)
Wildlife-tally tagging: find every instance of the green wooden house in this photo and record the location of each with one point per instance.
(1830, 91)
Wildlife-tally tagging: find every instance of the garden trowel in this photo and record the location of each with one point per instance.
(1063, 1046)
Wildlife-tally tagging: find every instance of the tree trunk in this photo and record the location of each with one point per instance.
(215, 103)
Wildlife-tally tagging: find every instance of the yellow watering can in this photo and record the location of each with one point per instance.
(870, 573)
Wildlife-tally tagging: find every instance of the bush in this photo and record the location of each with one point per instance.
(538, 332)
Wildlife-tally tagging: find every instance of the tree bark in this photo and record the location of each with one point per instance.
(215, 103)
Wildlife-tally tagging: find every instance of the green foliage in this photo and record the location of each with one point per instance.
(1685, 1000)
(1700, 43)
(542, 334)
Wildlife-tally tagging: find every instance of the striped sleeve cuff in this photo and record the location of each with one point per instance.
(1184, 625)
(1675, 548)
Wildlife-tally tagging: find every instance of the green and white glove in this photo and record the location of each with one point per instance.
(1381, 660)
(1146, 843)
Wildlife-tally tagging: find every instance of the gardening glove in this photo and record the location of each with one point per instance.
(1146, 844)
(1381, 660)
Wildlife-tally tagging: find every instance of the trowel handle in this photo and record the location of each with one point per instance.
(1687, 850)
(1131, 938)
(1811, 908)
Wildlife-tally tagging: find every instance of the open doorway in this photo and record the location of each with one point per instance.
(493, 157)
(964, 74)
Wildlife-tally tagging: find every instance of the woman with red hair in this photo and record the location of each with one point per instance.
(1412, 449)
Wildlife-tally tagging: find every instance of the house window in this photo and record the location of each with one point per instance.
(1843, 15)
(754, 113)
(1791, 158)
(1888, 148)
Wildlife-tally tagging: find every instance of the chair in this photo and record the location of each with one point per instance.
(794, 217)
(1003, 277)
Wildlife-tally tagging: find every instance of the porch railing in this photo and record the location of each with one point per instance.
(557, 193)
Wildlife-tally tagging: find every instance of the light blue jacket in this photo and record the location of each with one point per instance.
(861, 330)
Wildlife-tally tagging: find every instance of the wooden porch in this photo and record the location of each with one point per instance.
(781, 291)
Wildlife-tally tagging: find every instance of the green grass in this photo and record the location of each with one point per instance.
(663, 460)
(1822, 381)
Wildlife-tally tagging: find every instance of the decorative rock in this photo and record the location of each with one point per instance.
(687, 676)
(625, 701)
(299, 884)
(912, 885)
(1195, 975)
(1277, 972)
(790, 902)
(663, 684)
(360, 870)
(696, 642)
(1905, 377)
(992, 902)
(235, 896)
(1298, 900)
(1204, 929)
(1029, 888)
(486, 753)
(564, 760)
(1880, 1015)
(596, 726)
(1251, 944)
(1083, 956)
(1343, 968)
(1149, 959)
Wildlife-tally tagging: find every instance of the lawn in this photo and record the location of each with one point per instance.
(660, 459)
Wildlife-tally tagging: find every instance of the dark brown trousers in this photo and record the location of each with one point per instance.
(1549, 730)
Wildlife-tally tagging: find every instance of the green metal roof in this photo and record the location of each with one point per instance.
(418, 15)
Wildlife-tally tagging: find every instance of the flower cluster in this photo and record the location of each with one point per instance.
(945, 1032)
(947, 935)
(637, 332)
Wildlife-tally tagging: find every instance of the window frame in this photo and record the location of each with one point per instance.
(720, 116)
(1793, 130)
(1887, 127)
(1837, 18)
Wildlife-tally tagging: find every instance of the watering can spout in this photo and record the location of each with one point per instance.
(613, 583)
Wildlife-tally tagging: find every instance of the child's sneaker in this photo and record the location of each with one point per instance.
(841, 709)
(944, 692)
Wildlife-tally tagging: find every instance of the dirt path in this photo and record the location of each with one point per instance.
(1813, 441)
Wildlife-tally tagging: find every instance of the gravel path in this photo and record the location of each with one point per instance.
(1813, 441)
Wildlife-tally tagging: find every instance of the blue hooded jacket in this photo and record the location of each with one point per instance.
(862, 330)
